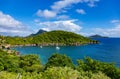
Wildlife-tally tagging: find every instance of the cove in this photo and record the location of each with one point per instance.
(107, 51)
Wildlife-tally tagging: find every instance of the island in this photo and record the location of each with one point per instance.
(97, 36)
(52, 38)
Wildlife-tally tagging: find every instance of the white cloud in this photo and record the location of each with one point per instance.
(63, 17)
(67, 25)
(86, 34)
(61, 6)
(7, 20)
(56, 8)
(91, 3)
(112, 32)
(36, 20)
(115, 21)
(9, 25)
(46, 13)
(80, 11)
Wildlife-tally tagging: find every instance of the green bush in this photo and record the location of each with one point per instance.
(96, 66)
(54, 73)
(99, 76)
(33, 75)
(8, 62)
(58, 60)
(30, 63)
(60, 73)
(7, 75)
(90, 75)
(34, 68)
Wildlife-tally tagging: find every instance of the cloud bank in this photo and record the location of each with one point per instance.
(62, 6)
(67, 25)
(80, 11)
(112, 32)
(10, 26)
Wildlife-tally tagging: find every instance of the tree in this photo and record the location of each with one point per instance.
(58, 60)
(95, 66)
(60, 73)
(30, 63)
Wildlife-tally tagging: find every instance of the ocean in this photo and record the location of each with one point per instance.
(107, 51)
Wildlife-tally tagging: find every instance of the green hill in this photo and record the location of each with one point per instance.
(57, 37)
(61, 38)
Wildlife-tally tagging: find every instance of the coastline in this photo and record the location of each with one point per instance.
(56, 44)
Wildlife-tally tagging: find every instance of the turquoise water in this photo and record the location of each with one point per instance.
(107, 51)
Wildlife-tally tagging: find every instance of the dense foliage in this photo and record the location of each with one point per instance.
(58, 60)
(62, 37)
(49, 38)
(55, 73)
(13, 63)
(8, 62)
(95, 66)
(58, 67)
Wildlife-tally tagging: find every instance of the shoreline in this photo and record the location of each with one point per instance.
(56, 44)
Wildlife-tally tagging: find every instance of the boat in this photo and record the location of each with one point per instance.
(57, 47)
(40, 46)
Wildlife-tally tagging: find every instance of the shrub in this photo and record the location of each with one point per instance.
(60, 73)
(30, 63)
(7, 75)
(96, 66)
(58, 60)
(99, 76)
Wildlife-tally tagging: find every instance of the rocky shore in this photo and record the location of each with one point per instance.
(56, 44)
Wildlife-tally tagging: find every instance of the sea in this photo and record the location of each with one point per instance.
(108, 50)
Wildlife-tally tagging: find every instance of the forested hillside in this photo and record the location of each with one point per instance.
(50, 38)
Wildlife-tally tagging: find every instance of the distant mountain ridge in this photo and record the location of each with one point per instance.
(39, 32)
(97, 36)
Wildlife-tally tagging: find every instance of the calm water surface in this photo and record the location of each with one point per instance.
(108, 51)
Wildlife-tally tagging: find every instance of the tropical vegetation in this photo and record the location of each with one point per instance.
(16, 66)
(57, 37)
(59, 66)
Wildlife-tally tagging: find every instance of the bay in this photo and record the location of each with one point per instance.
(107, 51)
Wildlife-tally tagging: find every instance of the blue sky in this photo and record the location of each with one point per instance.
(86, 17)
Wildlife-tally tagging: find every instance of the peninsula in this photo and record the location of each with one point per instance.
(52, 38)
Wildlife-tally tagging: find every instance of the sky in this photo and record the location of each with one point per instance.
(85, 17)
